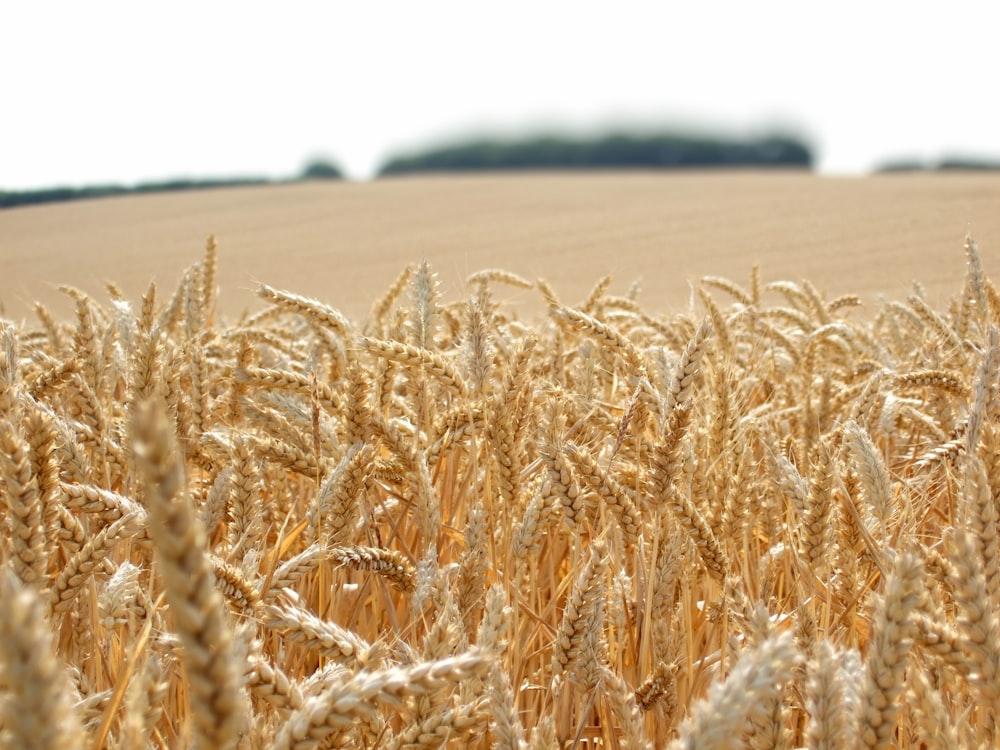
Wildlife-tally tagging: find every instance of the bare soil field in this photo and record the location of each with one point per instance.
(344, 243)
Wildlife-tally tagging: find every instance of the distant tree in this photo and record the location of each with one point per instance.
(902, 165)
(946, 164)
(320, 169)
(963, 163)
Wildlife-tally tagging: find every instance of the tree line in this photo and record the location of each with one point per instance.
(317, 170)
(617, 151)
(609, 152)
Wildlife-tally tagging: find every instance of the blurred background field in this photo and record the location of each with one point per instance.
(345, 242)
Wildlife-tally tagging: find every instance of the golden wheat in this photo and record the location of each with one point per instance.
(765, 521)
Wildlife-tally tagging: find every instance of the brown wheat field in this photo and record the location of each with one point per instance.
(496, 497)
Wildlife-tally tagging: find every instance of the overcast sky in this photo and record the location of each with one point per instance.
(98, 92)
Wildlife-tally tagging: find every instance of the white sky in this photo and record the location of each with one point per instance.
(128, 91)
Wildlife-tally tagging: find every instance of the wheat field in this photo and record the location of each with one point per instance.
(344, 243)
(768, 520)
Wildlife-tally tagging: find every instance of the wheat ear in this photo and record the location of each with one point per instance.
(825, 701)
(883, 680)
(977, 620)
(580, 647)
(301, 626)
(508, 732)
(37, 705)
(312, 310)
(26, 540)
(209, 656)
(718, 721)
(465, 720)
(341, 704)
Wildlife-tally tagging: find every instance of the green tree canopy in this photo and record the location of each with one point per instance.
(321, 169)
